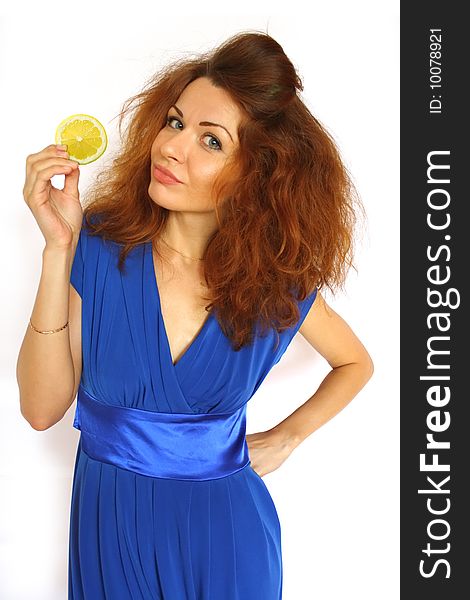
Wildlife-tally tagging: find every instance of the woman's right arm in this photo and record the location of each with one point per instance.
(49, 364)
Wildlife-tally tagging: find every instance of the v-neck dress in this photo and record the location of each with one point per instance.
(137, 537)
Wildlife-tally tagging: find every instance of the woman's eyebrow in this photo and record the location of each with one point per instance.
(209, 123)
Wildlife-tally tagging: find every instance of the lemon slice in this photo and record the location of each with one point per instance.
(84, 136)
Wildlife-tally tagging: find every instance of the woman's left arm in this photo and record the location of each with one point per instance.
(351, 368)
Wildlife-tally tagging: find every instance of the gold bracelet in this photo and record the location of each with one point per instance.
(50, 331)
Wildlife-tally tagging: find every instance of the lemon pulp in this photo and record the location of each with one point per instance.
(84, 136)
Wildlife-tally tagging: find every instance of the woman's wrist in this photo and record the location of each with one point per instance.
(285, 437)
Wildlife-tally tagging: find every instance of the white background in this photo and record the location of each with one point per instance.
(337, 495)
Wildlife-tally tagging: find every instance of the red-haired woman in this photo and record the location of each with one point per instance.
(200, 253)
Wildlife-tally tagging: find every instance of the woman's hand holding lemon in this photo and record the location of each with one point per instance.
(59, 213)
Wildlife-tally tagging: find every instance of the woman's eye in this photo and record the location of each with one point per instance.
(169, 119)
(213, 142)
(218, 146)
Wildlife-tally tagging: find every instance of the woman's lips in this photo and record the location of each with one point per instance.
(163, 177)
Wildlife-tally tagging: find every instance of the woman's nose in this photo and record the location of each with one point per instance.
(176, 146)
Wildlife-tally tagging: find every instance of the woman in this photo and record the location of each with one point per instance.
(227, 196)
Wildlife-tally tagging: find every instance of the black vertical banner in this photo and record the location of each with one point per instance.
(435, 269)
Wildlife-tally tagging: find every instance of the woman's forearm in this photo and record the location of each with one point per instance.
(338, 388)
(45, 371)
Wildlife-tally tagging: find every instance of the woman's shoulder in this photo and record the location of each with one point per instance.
(88, 240)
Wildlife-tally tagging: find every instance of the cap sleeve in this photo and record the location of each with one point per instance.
(76, 273)
(286, 337)
(304, 307)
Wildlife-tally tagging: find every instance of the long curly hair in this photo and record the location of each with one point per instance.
(285, 204)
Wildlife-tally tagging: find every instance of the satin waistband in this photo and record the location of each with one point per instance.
(194, 447)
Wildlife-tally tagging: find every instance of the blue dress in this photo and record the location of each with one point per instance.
(138, 537)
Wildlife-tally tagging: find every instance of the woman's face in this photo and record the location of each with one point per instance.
(193, 150)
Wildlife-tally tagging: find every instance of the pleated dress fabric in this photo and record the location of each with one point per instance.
(139, 537)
